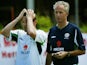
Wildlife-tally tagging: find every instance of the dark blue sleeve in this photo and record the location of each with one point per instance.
(48, 42)
(80, 41)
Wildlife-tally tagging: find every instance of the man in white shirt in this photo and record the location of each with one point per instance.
(26, 38)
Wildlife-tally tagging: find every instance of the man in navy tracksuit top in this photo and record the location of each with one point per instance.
(65, 40)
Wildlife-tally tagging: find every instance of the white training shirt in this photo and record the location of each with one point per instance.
(7, 51)
(27, 53)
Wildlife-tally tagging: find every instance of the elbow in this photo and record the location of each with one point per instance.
(6, 34)
(32, 34)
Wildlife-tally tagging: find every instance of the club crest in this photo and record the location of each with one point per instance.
(66, 36)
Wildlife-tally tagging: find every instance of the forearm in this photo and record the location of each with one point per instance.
(6, 30)
(31, 30)
(8, 27)
(76, 52)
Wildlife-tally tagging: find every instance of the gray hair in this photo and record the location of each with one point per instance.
(65, 4)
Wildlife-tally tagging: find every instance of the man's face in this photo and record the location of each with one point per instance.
(24, 23)
(60, 14)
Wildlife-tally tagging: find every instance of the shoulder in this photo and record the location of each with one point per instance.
(75, 28)
(41, 36)
(54, 28)
(18, 31)
(41, 32)
(73, 25)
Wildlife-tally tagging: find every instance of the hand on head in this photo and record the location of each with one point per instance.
(27, 13)
(31, 13)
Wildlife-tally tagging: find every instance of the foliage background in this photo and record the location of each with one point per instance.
(45, 23)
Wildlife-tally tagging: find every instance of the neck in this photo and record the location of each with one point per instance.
(62, 25)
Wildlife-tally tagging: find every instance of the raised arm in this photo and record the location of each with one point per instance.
(6, 30)
(31, 29)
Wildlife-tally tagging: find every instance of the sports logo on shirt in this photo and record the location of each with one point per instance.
(58, 43)
(25, 47)
(58, 48)
(66, 36)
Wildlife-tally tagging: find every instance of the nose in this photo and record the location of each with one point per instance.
(58, 14)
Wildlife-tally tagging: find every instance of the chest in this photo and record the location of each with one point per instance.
(62, 38)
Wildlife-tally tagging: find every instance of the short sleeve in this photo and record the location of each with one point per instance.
(41, 36)
(13, 35)
(79, 39)
(48, 43)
